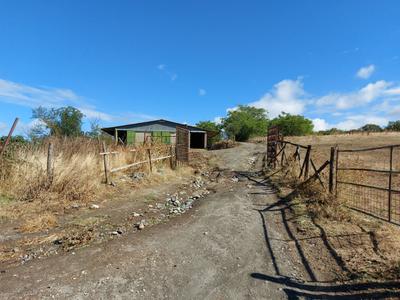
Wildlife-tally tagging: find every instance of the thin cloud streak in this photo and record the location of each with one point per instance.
(163, 68)
(32, 97)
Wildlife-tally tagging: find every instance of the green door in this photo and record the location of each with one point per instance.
(161, 137)
(130, 137)
(156, 135)
(166, 137)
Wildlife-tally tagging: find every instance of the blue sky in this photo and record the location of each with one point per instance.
(336, 62)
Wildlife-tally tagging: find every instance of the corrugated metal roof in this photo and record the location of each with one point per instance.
(156, 125)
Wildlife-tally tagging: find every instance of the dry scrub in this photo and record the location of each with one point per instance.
(78, 176)
(39, 222)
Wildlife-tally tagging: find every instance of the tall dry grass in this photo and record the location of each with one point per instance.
(78, 170)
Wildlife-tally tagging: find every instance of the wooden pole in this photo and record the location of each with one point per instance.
(315, 170)
(390, 185)
(306, 163)
(150, 164)
(171, 159)
(331, 170)
(307, 167)
(116, 136)
(336, 171)
(50, 158)
(105, 156)
(9, 137)
(314, 176)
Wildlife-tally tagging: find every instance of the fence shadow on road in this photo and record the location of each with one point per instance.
(314, 288)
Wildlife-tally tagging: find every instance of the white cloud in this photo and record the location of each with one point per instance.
(366, 72)
(365, 95)
(320, 124)
(357, 121)
(94, 114)
(16, 93)
(286, 96)
(163, 68)
(218, 120)
(32, 97)
(376, 103)
(350, 122)
(202, 92)
(231, 109)
(393, 92)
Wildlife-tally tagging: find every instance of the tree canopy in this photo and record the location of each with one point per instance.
(14, 139)
(394, 125)
(211, 126)
(292, 125)
(63, 121)
(371, 128)
(245, 122)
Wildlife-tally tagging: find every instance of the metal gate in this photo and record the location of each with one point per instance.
(182, 144)
(272, 144)
(368, 180)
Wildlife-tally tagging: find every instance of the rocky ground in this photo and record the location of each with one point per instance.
(232, 239)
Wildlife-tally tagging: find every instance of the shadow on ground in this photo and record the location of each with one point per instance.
(314, 288)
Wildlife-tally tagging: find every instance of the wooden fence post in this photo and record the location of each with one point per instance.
(171, 159)
(105, 159)
(150, 164)
(50, 158)
(390, 184)
(3, 148)
(307, 167)
(306, 163)
(336, 171)
(331, 170)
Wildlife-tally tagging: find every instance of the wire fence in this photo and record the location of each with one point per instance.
(366, 180)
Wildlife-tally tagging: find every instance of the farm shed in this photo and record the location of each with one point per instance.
(157, 130)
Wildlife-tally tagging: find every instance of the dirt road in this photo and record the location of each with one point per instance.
(226, 247)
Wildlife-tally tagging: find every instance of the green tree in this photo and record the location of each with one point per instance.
(371, 128)
(330, 131)
(14, 139)
(63, 121)
(214, 128)
(245, 122)
(293, 125)
(209, 125)
(394, 126)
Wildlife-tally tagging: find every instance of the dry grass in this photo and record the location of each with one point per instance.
(78, 175)
(38, 223)
(368, 247)
(372, 200)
